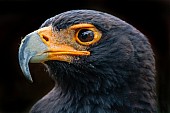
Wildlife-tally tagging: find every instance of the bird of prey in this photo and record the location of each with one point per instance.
(100, 64)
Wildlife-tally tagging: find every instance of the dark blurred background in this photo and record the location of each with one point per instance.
(18, 18)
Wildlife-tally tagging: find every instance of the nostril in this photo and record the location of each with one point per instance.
(45, 38)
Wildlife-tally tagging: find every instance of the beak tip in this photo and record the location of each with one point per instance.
(27, 75)
(29, 78)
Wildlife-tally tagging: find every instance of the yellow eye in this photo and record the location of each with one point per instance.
(87, 36)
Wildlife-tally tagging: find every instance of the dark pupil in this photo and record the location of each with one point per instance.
(85, 35)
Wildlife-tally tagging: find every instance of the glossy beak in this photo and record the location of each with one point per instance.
(40, 46)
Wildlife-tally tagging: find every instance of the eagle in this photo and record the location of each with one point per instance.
(99, 62)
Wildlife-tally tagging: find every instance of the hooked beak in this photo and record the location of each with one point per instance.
(39, 46)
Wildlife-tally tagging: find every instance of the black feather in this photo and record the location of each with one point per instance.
(118, 76)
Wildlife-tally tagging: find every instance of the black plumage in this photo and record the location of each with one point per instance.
(117, 77)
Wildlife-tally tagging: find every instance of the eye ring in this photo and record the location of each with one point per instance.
(87, 36)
